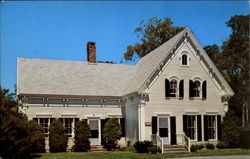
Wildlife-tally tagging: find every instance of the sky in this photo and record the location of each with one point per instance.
(61, 29)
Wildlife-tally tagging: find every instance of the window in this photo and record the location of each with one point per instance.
(184, 60)
(163, 127)
(44, 122)
(211, 127)
(196, 88)
(173, 88)
(67, 123)
(191, 127)
(93, 123)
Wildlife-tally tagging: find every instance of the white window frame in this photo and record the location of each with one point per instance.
(200, 89)
(70, 135)
(176, 89)
(215, 127)
(195, 128)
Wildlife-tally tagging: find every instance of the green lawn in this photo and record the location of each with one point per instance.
(132, 155)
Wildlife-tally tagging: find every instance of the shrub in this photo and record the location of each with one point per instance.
(195, 148)
(57, 138)
(37, 138)
(153, 149)
(210, 146)
(111, 133)
(14, 136)
(221, 145)
(142, 146)
(245, 139)
(82, 135)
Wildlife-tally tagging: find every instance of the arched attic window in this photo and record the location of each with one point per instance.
(184, 60)
(173, 88)
(197, 88)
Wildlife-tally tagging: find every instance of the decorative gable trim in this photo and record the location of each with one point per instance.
(199, 52)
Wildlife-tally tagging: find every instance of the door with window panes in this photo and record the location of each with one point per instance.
(95, 138)
(163, 129)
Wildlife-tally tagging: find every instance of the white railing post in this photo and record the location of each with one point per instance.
(159, 142)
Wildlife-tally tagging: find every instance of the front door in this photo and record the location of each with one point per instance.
(163, 129)
(95, 131)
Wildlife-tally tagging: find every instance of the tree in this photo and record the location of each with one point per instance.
(152, 34)
(37, 138)
(232, 59)
(82, 135)
(57, 138)
(111, 133)
(19, 137)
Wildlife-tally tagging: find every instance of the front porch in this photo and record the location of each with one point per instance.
(172, 136)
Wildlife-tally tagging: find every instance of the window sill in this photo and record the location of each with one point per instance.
(184, 65)
(180, 98)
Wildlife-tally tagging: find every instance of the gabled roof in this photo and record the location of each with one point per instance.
(147, 65)
(58, 77)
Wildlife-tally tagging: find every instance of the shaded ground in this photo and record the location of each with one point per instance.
(131, 155)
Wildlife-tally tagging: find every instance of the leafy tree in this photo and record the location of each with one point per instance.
(13, 128)
(232, 59)
(152, 34)
(37, 138)
(19, 138)
(111, 133)
(57, 138)
(82, 135)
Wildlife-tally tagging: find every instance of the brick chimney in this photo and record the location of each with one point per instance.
(91, 52)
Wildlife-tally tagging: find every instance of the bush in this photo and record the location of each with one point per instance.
(210, 146)
(153, 149)
(245, 139)
(221, 145)
(37, 138)
(111, 133)
(195, 148)
(82, 135)
(57, 138)
(142, 146)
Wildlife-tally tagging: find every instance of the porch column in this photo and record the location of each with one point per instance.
(202, 126)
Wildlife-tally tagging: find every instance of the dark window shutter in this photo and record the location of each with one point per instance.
(219, 126)
(154, 125)
(204, 90)
(191, 89)
(103, 122)
(205, 128)
(199, 129)
(185, 124)
(181, 89)
(167, 88)
(122, 121)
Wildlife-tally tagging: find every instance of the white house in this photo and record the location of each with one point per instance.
(174, 95)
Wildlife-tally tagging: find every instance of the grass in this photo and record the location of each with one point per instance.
(132, 155)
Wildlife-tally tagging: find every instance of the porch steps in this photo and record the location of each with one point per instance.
(174, 148)
(97, 148)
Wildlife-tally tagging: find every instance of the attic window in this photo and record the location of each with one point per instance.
(184, 61)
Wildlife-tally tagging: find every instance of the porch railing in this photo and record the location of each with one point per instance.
(185, 140)
(159, 142)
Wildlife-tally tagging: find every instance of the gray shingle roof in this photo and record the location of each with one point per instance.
(58, 77)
